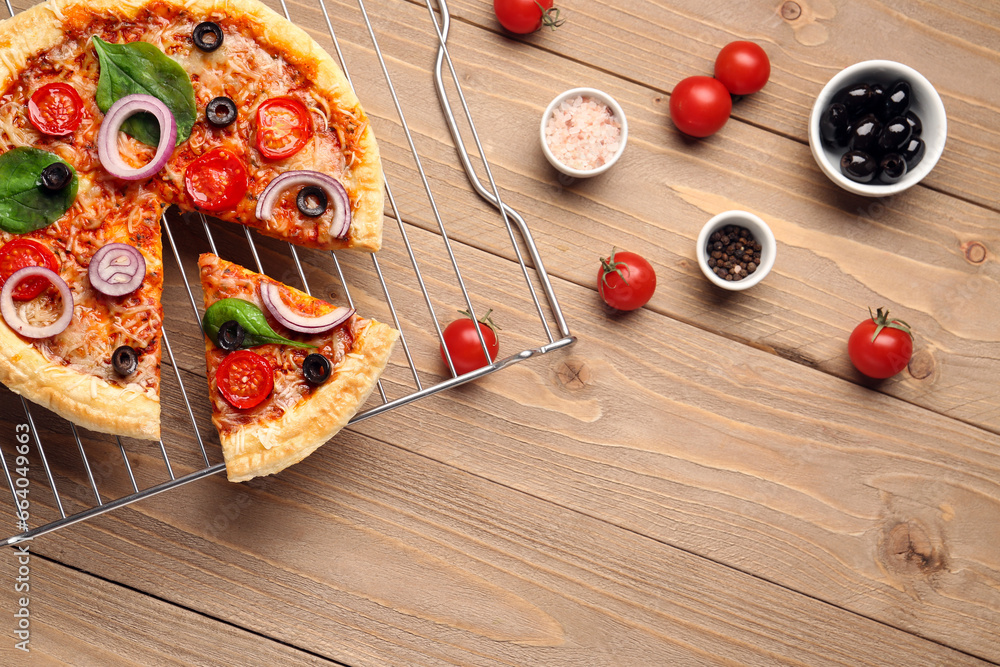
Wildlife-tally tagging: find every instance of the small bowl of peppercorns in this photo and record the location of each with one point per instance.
(736, 250)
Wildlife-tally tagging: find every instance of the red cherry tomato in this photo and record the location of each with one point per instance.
(56, 109)
(742, 67)
(526, 16)
(283, 127)
(245, 379)
(463, 343)
(216, 181)
(625, 281)
(700, 106)
(880, 347)
(22, 253)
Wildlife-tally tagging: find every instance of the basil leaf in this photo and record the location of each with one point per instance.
(24, 204)
(250, 317)
(141, 68)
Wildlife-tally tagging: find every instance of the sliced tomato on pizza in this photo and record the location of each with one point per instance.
(286, 371)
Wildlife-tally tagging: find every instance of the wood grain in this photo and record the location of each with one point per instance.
(925, 255)
(657, 44)
(763, 469)
(78, 619)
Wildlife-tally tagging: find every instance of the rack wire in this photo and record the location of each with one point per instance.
(555, 330)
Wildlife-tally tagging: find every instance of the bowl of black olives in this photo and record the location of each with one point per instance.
(877, 128)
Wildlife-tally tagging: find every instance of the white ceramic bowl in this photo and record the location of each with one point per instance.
(761, 233)
(615, 109)
(926, 104)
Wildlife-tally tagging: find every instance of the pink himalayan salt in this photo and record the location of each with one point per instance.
(583, 133)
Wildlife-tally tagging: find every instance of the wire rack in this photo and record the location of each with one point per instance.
(555, 333)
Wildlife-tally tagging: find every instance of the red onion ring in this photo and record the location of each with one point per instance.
(14, 320)
(107, 137)
(288, 318)
(333, 188)
(117, 269)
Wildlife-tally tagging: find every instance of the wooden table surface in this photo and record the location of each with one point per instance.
(704, 481)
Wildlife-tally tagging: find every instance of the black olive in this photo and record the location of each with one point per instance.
(915, 124)
(125, 360)
(55, 177)
(312, 193)
(833, 125)
(914, 152)
(207, 36)
(858, 166)
(231, 335)
(221, 112)
(895, 135)
(316, 368)
(864, 135)
(877, 101)
(892, 167)
(897, 100)
(855, 98)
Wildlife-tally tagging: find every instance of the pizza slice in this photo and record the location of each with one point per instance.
(286, 371)
(111, 110)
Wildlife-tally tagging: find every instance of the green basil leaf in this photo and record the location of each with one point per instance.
(250, 317)
(24, 204)
(141, 68)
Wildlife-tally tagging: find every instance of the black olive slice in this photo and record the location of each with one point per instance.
(56, 176)
(221, 112)
(231, 335)
(316, 368)
(308, 194)
(207, 36)
(125, 360)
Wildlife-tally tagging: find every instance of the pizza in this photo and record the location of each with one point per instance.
(286, 371)
(111, 111)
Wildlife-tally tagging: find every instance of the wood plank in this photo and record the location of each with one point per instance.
(78, 619)
(372, 555)
(695, 441)
(657, 44)
(924, 254)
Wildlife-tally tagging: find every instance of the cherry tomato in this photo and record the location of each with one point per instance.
(56, 109)
(625, 281)
(700, 106)
(526, 16)
(463, 343)
(742, 67)
(244, 379)
(22, 253)
(216, 181)
(283, 127)
(880, 347)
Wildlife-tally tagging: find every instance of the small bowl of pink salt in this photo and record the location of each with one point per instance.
(583, 132)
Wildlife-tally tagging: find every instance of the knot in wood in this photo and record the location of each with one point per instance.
(790, 10)
(975, 252)
(574, 374)
(909, 549)
(921, 366)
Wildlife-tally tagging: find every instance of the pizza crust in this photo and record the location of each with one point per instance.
(84, 399)
(257, 449)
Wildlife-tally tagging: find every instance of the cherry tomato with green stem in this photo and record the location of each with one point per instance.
(880, 346)
(626, 281)
(464, 346)
(523, 17)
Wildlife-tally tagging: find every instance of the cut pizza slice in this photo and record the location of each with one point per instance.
(286, 371)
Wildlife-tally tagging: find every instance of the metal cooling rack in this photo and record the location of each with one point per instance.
(533, 270)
